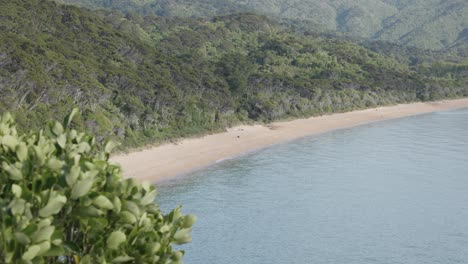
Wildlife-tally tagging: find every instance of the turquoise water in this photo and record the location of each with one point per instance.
(388, 192)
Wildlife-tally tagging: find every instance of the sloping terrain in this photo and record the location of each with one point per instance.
(428, 24)
(147, 79)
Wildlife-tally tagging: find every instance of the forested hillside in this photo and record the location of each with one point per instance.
(428, 24)
(147, 79)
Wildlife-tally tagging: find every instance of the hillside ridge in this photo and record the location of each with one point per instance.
(149, 79)
(430, 24)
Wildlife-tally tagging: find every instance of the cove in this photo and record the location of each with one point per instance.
(387, 192)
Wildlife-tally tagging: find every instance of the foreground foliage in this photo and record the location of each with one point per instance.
(61, 201)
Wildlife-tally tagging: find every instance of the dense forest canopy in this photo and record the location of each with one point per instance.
(427, 24)
(143, 79)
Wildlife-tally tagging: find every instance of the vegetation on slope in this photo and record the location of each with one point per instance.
(428, 24)
(63, 202)
(146, 79)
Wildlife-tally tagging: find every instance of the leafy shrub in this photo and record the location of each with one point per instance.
(61, 201)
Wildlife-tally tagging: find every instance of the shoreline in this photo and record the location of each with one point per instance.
(172, 160)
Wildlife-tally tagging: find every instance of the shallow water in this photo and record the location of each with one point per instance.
(388, 192)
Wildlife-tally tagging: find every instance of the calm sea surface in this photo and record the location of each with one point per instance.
(389, 192)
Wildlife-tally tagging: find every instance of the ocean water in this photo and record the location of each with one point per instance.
(388, 192)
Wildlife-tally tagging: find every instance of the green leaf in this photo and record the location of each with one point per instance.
(86, 260)
(62, 140)
(55, 164)
(39, 154)
(22, 151)
(98, 222)
(31, 253)
(54, 251)
(115, 239)
(117, 204)
(103, 202)
(153, 247)
(89, 211)
(133, 208)
(43, 223)
(83, 147)
(182, 233)
(54, 205)
(146, 186)
(110, 145)
(9, 256)
(165, 228)
(127, 217)
(149, 198)
(183, 240)
(7, 118)
(43, 234)
(69, 117)
(9, 142)
(45, 246)
(22, 238)
(144, 221)
(57, 242)
(177, 255)
(72, 175)
(14, 173)
(81, 188)
(16, 190)
(122, 259)
(182, 236)
(176, 214)
(17, 206)
(90, 174)
(57, 129)
(189, 221)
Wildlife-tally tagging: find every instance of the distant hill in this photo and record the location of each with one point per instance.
(147, 79)
(427, 24)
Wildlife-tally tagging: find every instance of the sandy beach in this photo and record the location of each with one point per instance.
(171, 160)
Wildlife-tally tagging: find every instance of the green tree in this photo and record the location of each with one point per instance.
(236, 68)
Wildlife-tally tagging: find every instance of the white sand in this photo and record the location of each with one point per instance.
(170, 160)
